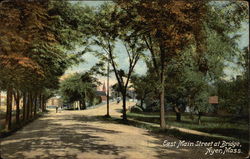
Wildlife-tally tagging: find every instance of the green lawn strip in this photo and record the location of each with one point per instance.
(156, 128)
(184, 133)
(211, 125)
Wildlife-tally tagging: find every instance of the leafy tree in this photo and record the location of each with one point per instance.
(35, 39)
(169, 27)
(116, 90)
(233, 94)
(108, 30)
(144, 87)
(166, 28)
(14, 54)
(79, 87)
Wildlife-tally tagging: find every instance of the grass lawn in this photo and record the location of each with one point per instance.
(223, 126)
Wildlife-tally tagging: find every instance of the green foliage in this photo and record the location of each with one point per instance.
(36, 43)
(223, 127)
(233, 96)
(78, 87)
(145, 87)
(45, 32)
(136, 109)
(116, 88)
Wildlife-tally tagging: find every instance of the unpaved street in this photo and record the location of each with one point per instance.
(83, 135)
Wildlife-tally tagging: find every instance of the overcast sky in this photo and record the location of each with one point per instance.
(140, 68)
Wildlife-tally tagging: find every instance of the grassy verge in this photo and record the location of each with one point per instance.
(220, 128)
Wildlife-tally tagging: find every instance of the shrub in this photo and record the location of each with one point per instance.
(136, 109)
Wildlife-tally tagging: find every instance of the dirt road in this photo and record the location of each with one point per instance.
(83, 135)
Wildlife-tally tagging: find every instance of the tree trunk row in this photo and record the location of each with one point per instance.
(31, 101)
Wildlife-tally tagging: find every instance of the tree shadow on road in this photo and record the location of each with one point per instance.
(59, 138)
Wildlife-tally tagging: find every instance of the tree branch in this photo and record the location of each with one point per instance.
(129, 56)
(150, 47)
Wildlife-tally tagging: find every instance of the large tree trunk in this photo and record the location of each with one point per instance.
(31, 105)
(40, 102)
(80, 104)
(28, 106)
(199, 117)
(124, 114)
(83, 104)
(108, 91)
(178, 116)
(24, 106)
(9, 109)
(43, 104)
(17, 99)
(35, 104)
(142, 103)
(0, 101)
(162, 115)
(178, 113)
(162, 92)
(162, 101)
(159, 72)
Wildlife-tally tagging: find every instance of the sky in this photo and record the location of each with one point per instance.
(141, 68)
(122, 62)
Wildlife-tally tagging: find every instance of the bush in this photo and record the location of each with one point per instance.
(153, 108)
(136, 109)
(97, 100)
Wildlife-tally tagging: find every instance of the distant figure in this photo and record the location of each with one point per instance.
(60, 109)
(118, 100)
(56, 109)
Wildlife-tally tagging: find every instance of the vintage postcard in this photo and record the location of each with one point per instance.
(124, 79)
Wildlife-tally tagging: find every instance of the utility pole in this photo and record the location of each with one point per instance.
(107, 115)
